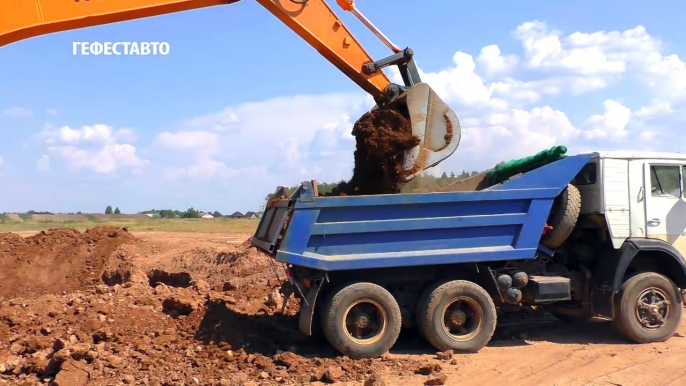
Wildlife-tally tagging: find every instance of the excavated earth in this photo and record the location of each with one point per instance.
(381, 139)
(105, 307)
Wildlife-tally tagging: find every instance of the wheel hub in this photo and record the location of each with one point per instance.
(457, 318)
(652, 308)
(365, 321)
(362, 321)
(462, 318)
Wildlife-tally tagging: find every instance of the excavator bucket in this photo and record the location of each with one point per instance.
(436, 126)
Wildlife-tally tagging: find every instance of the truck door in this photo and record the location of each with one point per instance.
(665, 206)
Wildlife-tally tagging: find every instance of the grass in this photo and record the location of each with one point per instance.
(217, 225)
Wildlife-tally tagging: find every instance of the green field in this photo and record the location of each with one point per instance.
(218, 225)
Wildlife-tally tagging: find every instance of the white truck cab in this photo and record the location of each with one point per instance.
(622, 223)
(640, 194)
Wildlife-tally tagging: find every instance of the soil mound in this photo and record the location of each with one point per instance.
(164, 331)
(382, 137)
(56, 260)
(208, 316)
(217, 264)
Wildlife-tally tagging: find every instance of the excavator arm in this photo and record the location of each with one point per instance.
(313, 20)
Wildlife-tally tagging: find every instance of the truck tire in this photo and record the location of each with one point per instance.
(639, 302)
(361, 320)
(458, 305)
(563, 217)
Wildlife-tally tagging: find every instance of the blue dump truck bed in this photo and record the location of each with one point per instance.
(504, 222)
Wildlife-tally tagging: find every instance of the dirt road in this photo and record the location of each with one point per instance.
(585, 354)
(198, 309)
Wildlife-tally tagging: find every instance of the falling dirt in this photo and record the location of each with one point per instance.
(192, 309)
(381, 137)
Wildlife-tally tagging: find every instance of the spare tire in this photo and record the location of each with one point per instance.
(563, 217)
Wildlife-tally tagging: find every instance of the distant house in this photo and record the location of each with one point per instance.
(237, 215)
(207, 215)
(251, 215)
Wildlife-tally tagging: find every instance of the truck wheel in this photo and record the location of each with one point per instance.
(456, 315)
(361, 320)
(563, 217)
(648, 308)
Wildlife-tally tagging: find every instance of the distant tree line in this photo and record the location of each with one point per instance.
(108, 210)
(188, 213)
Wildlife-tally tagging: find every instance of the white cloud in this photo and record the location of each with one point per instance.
(203, 146)
(2, 162)
(494, 63)
(493, 95)
(98, 133)
(290, 139)
(583, 62)
(612, 124)
(98, 148)
(104, 160)
(666, 76)
(43, 164)
(18, 112)
(190, 140)
(51, 111)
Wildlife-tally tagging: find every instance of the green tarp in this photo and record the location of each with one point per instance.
(504, 171)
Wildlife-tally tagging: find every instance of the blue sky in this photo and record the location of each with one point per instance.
(241, 104)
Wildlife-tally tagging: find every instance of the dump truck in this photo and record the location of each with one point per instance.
(598, 234)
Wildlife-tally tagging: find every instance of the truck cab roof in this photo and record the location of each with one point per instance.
(638, 154)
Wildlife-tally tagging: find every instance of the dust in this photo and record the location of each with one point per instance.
(382, 136)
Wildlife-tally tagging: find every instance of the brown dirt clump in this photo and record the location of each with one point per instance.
(56, 260)
(382, 136)
(163, 326)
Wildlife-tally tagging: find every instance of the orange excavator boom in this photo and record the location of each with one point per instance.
(313, 20)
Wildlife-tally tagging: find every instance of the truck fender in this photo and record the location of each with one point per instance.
(610, 271)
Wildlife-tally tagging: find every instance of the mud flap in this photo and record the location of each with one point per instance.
(602, 303)
(307, 309)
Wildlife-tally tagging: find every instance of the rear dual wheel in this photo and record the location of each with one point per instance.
(361, 320)
(456, 315)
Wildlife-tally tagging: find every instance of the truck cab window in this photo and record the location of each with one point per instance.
(665, 181)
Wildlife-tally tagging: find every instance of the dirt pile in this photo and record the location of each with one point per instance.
(162, 326)
(56, 260)
(381, 138)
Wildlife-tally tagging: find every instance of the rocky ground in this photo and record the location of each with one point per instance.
(106, 307)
